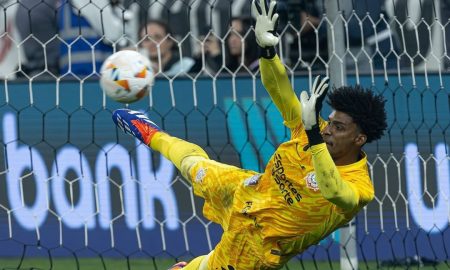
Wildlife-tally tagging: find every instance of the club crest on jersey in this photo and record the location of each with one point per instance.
(200, 175)
(252, 181)
(311, 181)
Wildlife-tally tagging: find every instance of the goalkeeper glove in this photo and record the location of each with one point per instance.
(311, 107)
(266, 22)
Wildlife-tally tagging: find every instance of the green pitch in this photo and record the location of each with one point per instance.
(161, 264)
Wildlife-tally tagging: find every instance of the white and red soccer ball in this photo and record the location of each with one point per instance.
(126, 76)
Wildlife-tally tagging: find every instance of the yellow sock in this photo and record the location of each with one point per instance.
(175, 149)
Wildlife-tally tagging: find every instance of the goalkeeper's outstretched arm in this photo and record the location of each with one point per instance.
(328, 178)
(276, 81)
(273, 73)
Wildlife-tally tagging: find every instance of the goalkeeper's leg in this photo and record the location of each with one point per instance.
(183, 154)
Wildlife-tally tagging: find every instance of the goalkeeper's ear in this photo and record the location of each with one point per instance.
(361, 139)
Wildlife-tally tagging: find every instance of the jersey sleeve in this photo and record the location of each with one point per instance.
(364, 189)
(332, 186)
(298, 132)
(277, 84)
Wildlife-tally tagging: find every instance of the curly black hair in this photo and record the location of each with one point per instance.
(364, 106)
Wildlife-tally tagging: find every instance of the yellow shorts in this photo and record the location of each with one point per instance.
(216, 183)
(241, 246)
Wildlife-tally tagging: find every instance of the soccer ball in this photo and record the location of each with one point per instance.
(126, 76)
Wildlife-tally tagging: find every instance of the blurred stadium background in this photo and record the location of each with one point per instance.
(75, 193)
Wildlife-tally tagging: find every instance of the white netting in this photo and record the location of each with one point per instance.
(75, 192)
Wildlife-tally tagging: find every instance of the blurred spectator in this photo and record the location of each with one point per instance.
(159, 45)
(38, 18)
(210, 59)
(305, 15)
(370, 39)
(241, 55)
(9, 53)
(445, 17)
(90, 31)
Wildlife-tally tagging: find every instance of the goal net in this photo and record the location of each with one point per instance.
(76, 193)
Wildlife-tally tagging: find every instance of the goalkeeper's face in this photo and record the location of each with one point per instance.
(156, 36)
(343, 138)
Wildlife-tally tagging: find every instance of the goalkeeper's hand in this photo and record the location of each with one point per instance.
(265, 23)
(312, 105)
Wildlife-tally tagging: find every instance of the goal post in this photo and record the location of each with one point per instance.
(338, 77)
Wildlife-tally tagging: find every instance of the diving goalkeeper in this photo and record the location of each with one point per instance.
(313, 184)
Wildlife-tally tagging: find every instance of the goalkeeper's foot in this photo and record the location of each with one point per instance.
(136, 124)
(177, 266)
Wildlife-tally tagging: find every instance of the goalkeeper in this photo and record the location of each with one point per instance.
(313, 184)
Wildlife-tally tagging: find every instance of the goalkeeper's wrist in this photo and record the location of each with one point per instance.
(314, 136)
(267, 52)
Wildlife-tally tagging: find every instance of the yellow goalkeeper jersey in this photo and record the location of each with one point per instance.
(270, 217)
(287, 205)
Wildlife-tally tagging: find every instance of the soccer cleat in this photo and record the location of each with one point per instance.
(136, 124)
(177, 266)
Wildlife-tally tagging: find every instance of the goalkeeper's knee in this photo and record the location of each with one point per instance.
(178, 151)
(187, 163)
